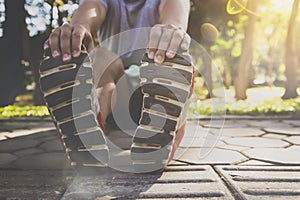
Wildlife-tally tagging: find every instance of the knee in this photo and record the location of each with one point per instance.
(117, 69)
(110, 86)
(107, 87)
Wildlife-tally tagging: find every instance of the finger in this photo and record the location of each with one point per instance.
(163, 45)
(155, 35)
(88, 41)
(176, 40)
(151, 53)
(65, 41)
(185, 44)
(77, 38)
(159, 56)
(54, 42)
(165, 39)
(46, 45)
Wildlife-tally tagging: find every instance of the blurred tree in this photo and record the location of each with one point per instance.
(231, 51)
(198, 17)
(291, 60)
(42, 17)
(227, 49)
(18, 43)
(245, 60)
(204, 12)
(11, 52)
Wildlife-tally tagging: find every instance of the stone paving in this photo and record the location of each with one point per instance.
(239, 159)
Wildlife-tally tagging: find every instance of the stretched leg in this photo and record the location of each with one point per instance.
(108, 69)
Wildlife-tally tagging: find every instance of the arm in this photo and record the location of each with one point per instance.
(90, 14)
(166, 38)
(67, 39)
(175, 12)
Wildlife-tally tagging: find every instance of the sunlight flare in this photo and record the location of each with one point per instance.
(234, 7)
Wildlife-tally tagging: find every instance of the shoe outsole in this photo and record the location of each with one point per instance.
(67, 89)
(166, 88)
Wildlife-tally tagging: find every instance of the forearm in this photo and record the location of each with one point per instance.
(175, 12)
(89, 14)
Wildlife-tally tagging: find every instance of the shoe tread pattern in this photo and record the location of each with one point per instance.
(67, 87)
(166, 88)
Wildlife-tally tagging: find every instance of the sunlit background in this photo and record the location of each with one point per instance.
(41, 13)
(256, 39)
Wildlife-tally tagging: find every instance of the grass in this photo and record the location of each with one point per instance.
(266, 107)
(23, 111)
(23, 107)
(261, 101)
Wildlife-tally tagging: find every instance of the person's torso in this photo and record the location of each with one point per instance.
(123, 15)
(126, 27)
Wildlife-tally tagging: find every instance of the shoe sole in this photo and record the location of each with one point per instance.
(166, 88)
(67, 89)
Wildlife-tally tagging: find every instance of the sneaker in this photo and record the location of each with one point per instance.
(70, 96)
(166, 90)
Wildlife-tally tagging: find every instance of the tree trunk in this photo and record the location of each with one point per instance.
(11, 52)
(291, 60)
(242, 78)
(227, 70)
(207, 75)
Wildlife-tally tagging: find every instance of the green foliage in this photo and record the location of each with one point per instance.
(275, 106)
(24, 107)
(266, 107)
(24, 99)
(261, 101)
(199, 90)
(23, 111)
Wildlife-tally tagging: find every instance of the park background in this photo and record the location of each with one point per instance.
(257, 53)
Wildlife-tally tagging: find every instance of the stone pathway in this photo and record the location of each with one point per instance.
(241, 159)
(176, 182)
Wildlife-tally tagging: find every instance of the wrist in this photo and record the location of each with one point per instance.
(175, 25)
(81, 24)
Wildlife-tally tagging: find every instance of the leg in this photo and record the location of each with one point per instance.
(108, 69)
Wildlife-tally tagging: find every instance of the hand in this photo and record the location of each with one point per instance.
(165, 40)
(67, 39)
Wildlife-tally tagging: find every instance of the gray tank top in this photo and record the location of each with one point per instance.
(124, 15)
